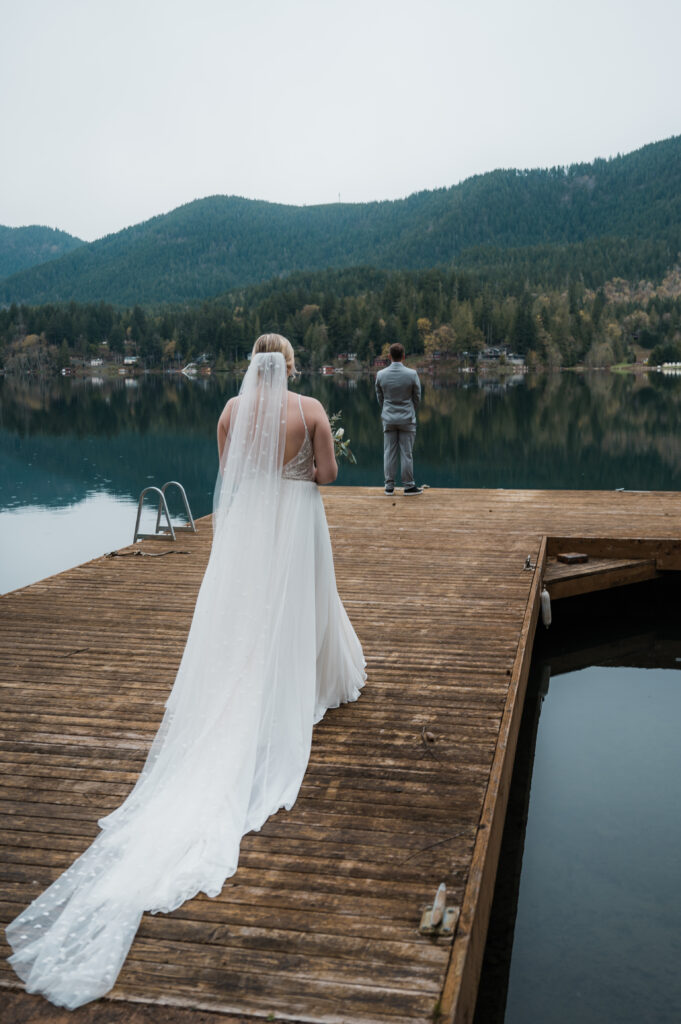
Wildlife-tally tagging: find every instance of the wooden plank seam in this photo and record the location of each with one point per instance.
(463, 973)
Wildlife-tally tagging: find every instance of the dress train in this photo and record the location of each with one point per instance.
(269, 650)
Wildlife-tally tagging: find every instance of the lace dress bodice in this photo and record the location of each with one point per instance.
(301, 466)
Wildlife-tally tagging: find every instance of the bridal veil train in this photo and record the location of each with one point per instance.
(269, 650)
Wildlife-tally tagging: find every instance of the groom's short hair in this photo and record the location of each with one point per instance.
(396, 352)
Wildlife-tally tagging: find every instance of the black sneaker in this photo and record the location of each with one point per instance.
(390, 488)
(413, 489)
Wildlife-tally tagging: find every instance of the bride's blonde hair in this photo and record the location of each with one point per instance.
(277, 343)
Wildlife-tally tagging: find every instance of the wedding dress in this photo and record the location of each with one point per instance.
(269, 650)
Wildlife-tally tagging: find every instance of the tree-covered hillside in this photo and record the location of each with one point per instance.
(328, 315)
(21, 248)
(617, 217)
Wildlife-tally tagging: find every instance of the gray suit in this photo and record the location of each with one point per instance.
(398, 390)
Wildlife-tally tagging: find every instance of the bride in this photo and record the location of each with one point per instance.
(269, 650)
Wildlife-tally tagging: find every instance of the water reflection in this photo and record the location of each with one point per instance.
(64, 440)
(586, 923)
(39, 541)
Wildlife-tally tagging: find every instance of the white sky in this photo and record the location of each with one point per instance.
(115, 110)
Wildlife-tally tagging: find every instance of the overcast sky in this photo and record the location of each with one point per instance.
(116, 110)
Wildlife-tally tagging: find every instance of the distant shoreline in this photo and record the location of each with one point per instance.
(442, 369)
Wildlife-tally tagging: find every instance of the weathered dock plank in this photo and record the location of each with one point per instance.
(320, 923)
(596, 574)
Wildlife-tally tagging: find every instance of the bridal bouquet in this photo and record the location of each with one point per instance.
(341, 447)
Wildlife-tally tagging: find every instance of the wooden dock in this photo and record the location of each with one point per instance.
(406, 788)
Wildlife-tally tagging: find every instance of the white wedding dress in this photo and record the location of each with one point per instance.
(269, 650)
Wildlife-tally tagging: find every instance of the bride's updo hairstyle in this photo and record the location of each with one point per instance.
(277, 343)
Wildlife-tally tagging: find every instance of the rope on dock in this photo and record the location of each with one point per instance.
(146, 554)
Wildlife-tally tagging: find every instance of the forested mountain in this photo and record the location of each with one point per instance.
(21, 248)
(436, 313)
(616, 217)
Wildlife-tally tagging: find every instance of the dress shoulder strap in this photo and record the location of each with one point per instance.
(302, 414)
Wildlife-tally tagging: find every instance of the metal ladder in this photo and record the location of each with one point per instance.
(164, 531)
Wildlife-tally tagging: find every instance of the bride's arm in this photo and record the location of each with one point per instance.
(326, 469)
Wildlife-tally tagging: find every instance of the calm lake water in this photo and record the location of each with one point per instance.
(74, 455)
(586, 923)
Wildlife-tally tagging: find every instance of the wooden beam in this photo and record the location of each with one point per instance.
(463, 973)
(600, 574)
(666, 552)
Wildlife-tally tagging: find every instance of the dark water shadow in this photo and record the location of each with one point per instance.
(635, 626)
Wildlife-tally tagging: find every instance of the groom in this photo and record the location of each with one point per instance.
(398, 391)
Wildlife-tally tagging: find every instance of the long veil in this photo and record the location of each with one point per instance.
(208, 778)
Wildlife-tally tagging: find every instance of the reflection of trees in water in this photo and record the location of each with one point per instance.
(554, 430)
(79, 408)
(560, 430)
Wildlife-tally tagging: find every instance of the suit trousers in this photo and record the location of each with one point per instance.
(398, 439)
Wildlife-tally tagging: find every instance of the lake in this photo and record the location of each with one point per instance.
(75, 454)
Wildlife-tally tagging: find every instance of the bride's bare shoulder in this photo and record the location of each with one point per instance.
(314, 408)
(225, 416)
(229, 407)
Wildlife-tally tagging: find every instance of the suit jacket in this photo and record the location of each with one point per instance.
(398, 390)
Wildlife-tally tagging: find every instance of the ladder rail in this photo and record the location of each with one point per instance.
(162, 505)
(191, 525)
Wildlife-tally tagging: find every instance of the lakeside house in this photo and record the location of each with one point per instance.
(500, 354)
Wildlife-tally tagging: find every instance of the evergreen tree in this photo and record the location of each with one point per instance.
(524, 331)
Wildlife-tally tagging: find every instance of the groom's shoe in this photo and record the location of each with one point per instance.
(413, 489)
(390, 488)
